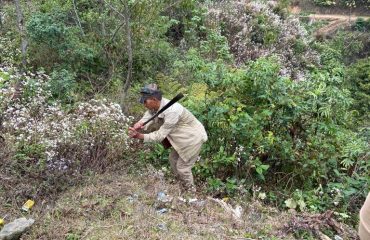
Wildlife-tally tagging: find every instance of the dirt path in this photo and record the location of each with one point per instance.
(337, 20)
(336, 17)
(297, 10)
(332, 27)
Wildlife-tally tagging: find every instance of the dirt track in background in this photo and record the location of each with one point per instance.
(297, 10)
(336, 17)
(337, 20)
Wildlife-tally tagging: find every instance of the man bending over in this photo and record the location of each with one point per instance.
(177, 128)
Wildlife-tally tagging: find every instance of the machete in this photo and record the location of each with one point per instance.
(169, 104)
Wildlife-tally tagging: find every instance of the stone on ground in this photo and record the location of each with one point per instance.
(15, 229)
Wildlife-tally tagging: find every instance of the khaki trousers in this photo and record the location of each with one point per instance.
(364, 228)
(182, 169)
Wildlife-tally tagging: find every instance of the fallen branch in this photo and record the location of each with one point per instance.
(315, 224)
(236, 212)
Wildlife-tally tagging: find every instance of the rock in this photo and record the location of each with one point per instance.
(15, 229)
(133, 198)
(163, 200)
(163, 197)
(336, 237)
(323, 236)
(198, 203)
(162, 227)
(160, 211)
(238, 211)
(192, 200)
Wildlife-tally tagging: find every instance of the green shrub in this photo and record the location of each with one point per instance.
(54, 42)
(48, 29)
(362, 25)
(260, 123)
(358, 79)
(63, 85)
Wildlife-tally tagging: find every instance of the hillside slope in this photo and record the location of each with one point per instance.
(123, 206)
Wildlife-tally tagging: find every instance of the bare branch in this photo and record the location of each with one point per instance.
(129, 51)
(24, 42)
(101, 9)
(77, 17)
(1, 14)
(114, 9)
(115, 32)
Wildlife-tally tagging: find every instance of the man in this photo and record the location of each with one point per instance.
(178, 127)
(364, 227)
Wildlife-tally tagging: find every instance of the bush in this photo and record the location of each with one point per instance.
(358, 79)
(47, 29)
(56, 43)
(10, 52)
(63, 85)
(362, 25)
(260, 123)
(253, 30)
(41, 138)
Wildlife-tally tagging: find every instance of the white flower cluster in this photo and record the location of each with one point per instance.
(239, 151)
(90, 132)
(253, 30)
(9, 51)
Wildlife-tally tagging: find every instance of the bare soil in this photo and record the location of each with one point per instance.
(309, 6)
(338, 18)
(332, 27)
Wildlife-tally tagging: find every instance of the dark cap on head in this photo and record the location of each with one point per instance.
(150, 90)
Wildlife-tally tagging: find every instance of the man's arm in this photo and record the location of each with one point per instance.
(139, 124)
(170, 121)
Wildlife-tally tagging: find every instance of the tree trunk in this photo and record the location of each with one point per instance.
(129, 52)
(77, 17)
(1, 15)
(101, 10)
(24, 42)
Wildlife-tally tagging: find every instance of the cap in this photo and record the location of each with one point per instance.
(150, 90)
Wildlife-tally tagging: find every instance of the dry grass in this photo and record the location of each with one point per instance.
(120, 206)
(117, 205)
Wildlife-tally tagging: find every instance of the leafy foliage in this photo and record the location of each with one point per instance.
(301, 129)
(287, 120)
(359, 80)
(62, 85)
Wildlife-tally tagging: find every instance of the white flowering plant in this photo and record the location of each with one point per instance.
(10, 52)
(253, 29)
(42, 136)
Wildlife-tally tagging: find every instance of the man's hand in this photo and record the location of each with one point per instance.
(133, 133)
(138, 126)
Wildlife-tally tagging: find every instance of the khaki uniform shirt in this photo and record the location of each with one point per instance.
(185, 133)
(364, 227)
